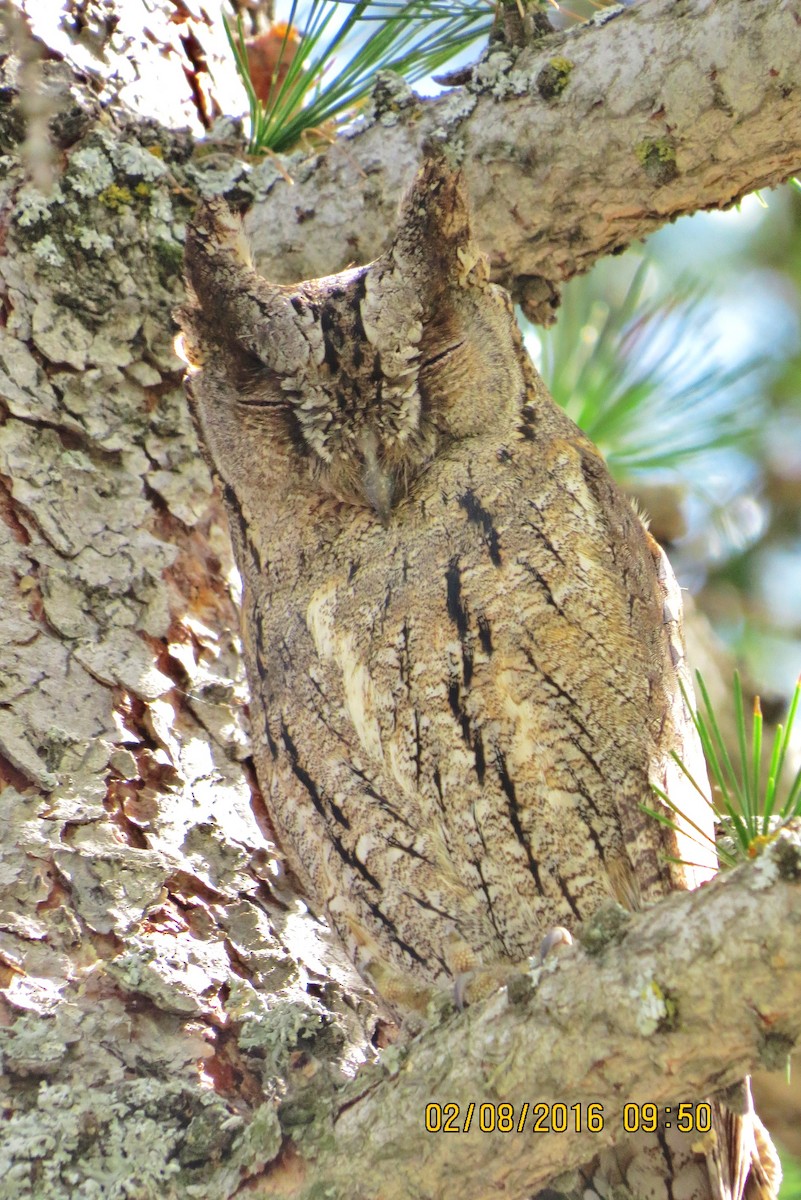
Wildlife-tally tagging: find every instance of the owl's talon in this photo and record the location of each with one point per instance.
(460, 986)
(558, 936)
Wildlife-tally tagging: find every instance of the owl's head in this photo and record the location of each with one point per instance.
(360, 379)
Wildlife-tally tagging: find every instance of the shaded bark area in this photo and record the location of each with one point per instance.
(173, 1021)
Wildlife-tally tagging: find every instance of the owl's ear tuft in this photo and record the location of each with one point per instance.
(214, 233)
(229, 303)
(434, 235)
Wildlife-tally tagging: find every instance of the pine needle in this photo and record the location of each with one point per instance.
(334, 66)
(744, 808)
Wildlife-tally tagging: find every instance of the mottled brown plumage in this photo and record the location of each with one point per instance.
(464, 648)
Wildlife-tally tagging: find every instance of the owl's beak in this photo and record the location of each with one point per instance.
(379, 488)
(378, 482)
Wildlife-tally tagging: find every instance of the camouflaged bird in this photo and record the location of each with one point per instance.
(464, 648)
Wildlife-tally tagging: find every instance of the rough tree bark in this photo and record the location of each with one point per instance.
(173, 1022)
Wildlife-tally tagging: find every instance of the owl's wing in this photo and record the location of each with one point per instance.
(473, 702)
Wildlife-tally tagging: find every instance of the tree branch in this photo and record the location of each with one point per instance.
(588, 141)
(727, 957)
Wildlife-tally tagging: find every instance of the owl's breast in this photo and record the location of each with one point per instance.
(464, 705)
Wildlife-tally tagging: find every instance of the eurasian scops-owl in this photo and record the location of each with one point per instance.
(464, 648)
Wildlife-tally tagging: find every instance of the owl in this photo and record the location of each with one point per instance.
(464, 648)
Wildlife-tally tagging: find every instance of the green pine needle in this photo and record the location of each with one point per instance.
(630, 374)
(334, 67)
(748, 812)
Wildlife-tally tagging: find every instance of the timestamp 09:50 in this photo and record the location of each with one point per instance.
(564, 1118)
